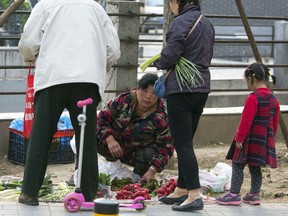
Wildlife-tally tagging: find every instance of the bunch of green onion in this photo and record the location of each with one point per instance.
(187, 73)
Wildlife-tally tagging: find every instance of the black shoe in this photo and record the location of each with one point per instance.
(193, 206)
(28, 200)
(91, 199)
(171, 201)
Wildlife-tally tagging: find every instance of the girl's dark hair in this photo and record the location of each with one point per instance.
(260, 72)
(183, 3)
(147, 80)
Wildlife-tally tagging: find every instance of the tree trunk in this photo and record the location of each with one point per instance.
(9, 11)
(168, 17)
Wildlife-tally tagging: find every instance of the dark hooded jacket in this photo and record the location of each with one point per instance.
(197, 48)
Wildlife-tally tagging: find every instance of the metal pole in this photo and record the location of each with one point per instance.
(9, 11)
(258, 58)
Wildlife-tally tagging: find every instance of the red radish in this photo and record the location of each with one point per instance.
(168, 188)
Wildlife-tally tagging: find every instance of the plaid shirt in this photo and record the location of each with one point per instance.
(135, 133)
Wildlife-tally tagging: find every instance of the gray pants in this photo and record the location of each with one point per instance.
(238, 177)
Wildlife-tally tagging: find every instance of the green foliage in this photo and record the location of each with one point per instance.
(46, 187)
(15, 19)
(212, 193)
(104, 179)
(117, 184)
(4, 4)
(152, 185)
(187, 73)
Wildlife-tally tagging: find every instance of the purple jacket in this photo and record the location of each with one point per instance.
(198, 48)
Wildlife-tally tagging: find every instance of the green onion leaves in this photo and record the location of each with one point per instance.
(187, 73)
(148, 62)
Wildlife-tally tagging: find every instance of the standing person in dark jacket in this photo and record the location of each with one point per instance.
(185, 104)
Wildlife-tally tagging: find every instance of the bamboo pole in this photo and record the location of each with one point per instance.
(9, 11)
(258, 58)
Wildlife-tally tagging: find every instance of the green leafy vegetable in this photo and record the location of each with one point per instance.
(104, 179)
(187, 73)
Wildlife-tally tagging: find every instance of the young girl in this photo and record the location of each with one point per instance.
(254, 141)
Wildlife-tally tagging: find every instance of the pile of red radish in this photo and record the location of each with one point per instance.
(132, 191)
(166, 189)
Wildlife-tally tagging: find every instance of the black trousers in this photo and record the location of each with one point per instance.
(49, 104)
(184, 111)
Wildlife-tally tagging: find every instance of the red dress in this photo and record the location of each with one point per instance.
(257, 130)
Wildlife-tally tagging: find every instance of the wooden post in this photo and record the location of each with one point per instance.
(167, 20)
(9, 11)
(258, 58)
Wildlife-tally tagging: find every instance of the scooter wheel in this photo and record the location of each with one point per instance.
(140, 200)
(142, 207)
(72, 204)
(137, 199)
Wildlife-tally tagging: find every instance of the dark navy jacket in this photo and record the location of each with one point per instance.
(198, 48)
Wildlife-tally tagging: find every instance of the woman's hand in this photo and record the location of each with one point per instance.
(114, 147)
(149, 175)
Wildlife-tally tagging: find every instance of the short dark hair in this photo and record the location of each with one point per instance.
(259, 71)
(147, 80)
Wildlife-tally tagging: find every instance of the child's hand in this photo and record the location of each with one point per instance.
(239, 145)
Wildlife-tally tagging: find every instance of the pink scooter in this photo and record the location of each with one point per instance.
(75, 200)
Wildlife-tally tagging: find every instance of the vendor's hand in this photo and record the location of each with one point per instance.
(148, 176)
(114, 147)
(239, 145)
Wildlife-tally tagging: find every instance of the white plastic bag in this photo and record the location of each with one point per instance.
(114, 169)
(218, 179)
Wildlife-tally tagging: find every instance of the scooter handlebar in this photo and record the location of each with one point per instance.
(83, 103)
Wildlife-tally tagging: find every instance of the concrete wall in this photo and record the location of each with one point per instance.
(12, 80)
(127, 28)
(214, 127)
(220, 128)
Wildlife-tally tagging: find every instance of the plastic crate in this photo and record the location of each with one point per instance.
(60, 150)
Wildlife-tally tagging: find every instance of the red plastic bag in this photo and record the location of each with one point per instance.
(29, 105)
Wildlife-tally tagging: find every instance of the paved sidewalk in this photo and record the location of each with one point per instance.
(152, 209)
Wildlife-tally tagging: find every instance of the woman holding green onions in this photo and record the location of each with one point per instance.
(187, 89)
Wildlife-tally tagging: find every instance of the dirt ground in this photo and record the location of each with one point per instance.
(274, 187)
